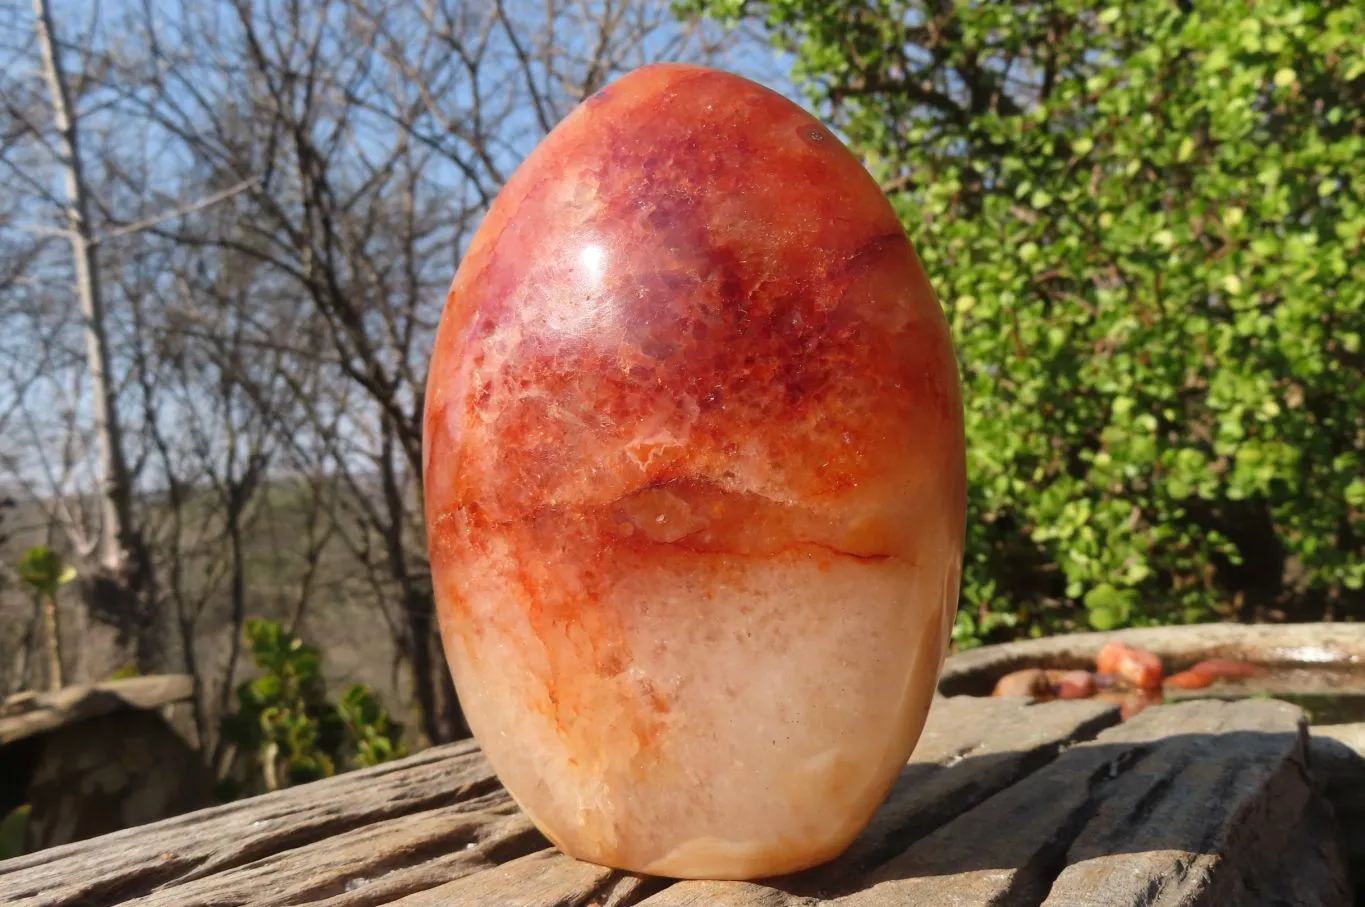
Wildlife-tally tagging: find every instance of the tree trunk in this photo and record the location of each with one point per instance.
(122, 588)
(448, 701)
(441, 717)
(236, 502)
(54, 643)
(419, 653)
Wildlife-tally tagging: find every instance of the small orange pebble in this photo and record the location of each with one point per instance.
(1138, 667)
(1190, 680)
(1108, 682)
(1210, 670)
(1032, 682)
(1072, 684)
(1224, 667)
(1107, 662)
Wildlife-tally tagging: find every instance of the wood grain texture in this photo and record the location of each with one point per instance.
(544, 879)
(374, 864)
(24, 716)
(1175, 807)
(1003, 803)
(129, 864)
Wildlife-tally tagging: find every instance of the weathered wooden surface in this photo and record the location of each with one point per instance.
(28, 714)
(1334, 647)
(1003, 803)
(94, 758)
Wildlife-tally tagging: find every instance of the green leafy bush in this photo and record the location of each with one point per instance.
(1145, 221)
(14, 833)
(44, 571)
(287, 732)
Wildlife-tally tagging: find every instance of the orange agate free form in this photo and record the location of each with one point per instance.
(694, 478)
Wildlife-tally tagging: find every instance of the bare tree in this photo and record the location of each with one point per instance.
(265, 202)
(380, 131)
(123, 581)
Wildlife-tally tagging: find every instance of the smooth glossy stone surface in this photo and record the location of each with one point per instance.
(694, 480)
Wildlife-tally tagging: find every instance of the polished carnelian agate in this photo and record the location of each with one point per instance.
(694, 480)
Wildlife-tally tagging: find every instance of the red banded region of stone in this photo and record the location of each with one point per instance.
(690, 335)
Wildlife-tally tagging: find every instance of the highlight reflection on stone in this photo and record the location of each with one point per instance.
(695, 486)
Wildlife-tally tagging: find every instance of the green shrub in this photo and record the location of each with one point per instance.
(287, 732)
(14, 833)
(1145, 222)
(44, 571)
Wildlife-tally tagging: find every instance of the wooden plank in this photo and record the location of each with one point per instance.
(970, 749)
(729, 894)
(371, 837)
(1003, 802)
(1170, 808)
(1199, 817)
(140, 861)
(37, 714)
(544, 879)
(374, 864)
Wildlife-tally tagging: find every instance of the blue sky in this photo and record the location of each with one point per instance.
(164, 157)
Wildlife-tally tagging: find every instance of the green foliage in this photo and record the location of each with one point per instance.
(286, 730)
(14, 833)
(1145, 221)
(372, 732)
(42, 569)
